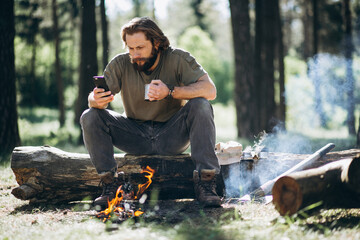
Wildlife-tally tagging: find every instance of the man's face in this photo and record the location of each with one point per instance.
(142, 53)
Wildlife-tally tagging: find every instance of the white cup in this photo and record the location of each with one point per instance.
(146, 97)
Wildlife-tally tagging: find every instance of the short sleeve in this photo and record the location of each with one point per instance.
(189, 69)
(113, 73)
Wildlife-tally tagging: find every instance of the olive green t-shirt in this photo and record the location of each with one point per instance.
(176, 67)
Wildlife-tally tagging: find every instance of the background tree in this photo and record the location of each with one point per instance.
(348, 52)
(280, 66)
(9, 133)
(88, 57)
(267, 92)
(199, 15)
(28, 21)
(244, 84)
(59, 80)
(104, 34)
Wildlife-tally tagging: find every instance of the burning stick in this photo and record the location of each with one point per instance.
(266, 187)
(122, 205)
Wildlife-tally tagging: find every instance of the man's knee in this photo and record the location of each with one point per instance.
(89, 116)
(200, 105)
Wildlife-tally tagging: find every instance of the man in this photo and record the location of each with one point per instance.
(177, 114)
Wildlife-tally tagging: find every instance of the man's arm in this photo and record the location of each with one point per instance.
(98, 98)
(203, 87)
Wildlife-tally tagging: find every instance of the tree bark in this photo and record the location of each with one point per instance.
(9, 133)
(335, 185)
(281, 67)
(349, 48)
(88, 57)
(315, 77)
(59, 80)
(258, 62)
(267, 93)
(244, 83)
(104, 31)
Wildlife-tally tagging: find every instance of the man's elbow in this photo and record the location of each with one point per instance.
(212, 94)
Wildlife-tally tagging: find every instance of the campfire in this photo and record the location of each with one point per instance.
(123, 206)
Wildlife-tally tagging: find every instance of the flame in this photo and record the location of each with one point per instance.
(143, 187)
(115, 206)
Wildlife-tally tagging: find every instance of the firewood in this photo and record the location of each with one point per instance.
(334, 185)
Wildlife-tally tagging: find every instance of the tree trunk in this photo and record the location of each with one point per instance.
(358, 136)
(258, 63)
(267, 92)
(307, 29)
(59, 80)
(104, 31)
(335, 185)
(281, 68)
(315, 77)
(9, 133)
(199, 15)
(349, 48)
(88, 58)
(137, 7)
(244, 84)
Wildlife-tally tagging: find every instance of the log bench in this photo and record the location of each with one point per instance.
(48, 174)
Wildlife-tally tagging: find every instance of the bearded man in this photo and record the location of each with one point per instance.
(178, 113)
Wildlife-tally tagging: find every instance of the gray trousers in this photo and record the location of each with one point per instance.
(193, 124)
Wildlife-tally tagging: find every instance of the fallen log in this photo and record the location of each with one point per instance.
(47, 174)
(334, 185)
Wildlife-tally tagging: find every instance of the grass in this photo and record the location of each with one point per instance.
(19, 220)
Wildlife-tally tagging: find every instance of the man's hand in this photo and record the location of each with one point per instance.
(157, 90)
(98, 98)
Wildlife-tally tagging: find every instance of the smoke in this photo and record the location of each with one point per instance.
(318, 93)
(319, 97)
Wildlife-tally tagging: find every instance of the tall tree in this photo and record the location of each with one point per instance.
(244, 84)
(28, 26)
(88, 57)
(257, 59)
(199, 15)
(349, 49)
(267, 91)
(104, 34)
(9, 133)
(59, 80)
(316, 79)
(281, 66)
(137, 7)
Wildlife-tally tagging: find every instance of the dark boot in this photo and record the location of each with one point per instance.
(110, 184)
(205, 188)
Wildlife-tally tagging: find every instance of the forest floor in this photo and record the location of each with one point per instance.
(183, 219)
(167, 219)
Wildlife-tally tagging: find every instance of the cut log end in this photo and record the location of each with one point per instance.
(287, 196)
(353, 174)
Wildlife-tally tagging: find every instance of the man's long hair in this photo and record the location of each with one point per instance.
(149, 28)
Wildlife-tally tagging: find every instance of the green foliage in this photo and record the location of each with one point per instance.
(200, 45)
(40, 126)
(34, 51)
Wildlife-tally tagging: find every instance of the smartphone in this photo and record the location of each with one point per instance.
(99, 82)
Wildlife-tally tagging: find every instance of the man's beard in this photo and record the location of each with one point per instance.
(148, 62)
